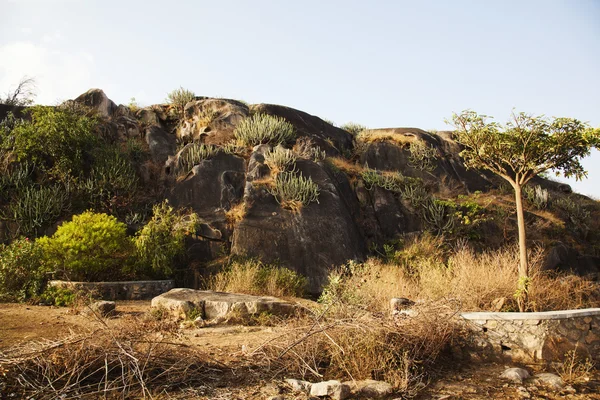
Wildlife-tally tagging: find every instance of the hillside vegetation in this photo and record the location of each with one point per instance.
(202, 188)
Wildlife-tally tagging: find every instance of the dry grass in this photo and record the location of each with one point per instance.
(575, 368)
(422, 270)
(132, 361)
(256, 278)
(382, 136)
(349, 167)
(345, 343)
(236, 213)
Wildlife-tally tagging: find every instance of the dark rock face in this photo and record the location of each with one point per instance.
(319, 237)
(321, 132)
(212, 186)
(211, 120)
(386, 156)
(161, 144)
(564, 259)
(97, 100)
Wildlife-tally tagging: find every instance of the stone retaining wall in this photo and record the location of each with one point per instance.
(533, 337)
(126, 290)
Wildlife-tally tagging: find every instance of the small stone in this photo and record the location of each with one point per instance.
(299, 386)
(570, 389)
(532, 322)
(523, 393)
(101, 308)
(371, 389)
(498, 303)
(399, 303)
(515, 374)
(334, 389)
(547, 379)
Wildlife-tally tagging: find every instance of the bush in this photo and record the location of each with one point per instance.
(90, 247)
(293, 191)
(280, 159)
(537, 196)
(162, 240)
(192, 154)
(422, 156)
(353, 128)
(113, 177)
(257, 278)
(55, 140)
(264, 128)
(21, 270)
(178, 98)
(36, 207)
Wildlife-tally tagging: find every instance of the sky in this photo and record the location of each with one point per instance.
(378, 63)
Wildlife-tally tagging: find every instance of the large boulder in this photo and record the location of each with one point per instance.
(211, 121)
(161, 144)
(213, 305)
(333, 140)
(212, 186)
(394, 154)
(311, 241)
(97, 100)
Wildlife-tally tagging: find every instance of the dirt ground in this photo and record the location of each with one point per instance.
(228, 345)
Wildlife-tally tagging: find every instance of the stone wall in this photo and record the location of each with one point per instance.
(126, 290)
(533, 337)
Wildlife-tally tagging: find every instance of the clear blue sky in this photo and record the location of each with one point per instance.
(379, 63)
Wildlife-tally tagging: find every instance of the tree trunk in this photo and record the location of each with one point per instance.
(523, 264)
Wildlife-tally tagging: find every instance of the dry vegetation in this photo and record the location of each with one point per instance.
(342, 342)
(138, 359)
(382, 136)
(422, 270)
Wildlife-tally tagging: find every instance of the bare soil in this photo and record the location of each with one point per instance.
(242, 379)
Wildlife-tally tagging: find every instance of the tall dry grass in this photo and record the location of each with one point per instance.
(422, 270)
(257, 278)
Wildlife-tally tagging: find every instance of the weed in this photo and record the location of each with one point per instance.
(293, 190)
(280, 159)
(264, 128)
(575, 369)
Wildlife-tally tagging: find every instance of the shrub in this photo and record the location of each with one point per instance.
(89, 247)
(280, 159)
(408, 188)
(192, 154)
(257, 278)
(55, 140)
(537, 196)
(576, 214)
(353, 128)
(113, 176)
(162, 239)
(36, 207)
(21, 270)
(264, 128)
(422, 156)
(294, 191)
(305, 148)
(178, 98)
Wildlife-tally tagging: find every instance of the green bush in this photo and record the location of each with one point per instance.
(21, 270)
(422, 156)
(55, 140)
(290, 187)
(58, 296)
(90, 247)
(34, 208)
(264, 128)
(162, 240)
(179, 98)
(113, 176)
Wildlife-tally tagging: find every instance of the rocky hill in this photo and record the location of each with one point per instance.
(374, 188)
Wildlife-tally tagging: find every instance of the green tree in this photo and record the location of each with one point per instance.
(521, 149)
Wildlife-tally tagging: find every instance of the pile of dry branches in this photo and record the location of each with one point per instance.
(343, 343)
(130, 361)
